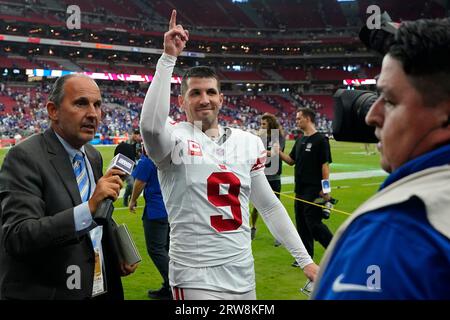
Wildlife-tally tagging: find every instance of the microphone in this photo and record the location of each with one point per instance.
(106, 207)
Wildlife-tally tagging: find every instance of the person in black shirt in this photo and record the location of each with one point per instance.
(132, 150)
(311, 156)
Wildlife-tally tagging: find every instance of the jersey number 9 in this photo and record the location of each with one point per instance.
(225, 200)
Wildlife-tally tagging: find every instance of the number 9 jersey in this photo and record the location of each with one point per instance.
(206, 190)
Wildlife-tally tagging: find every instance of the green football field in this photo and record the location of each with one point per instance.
(276, 279)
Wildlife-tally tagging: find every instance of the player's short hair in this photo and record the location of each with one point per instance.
(198, 72)
(309, 113)
(423, 49)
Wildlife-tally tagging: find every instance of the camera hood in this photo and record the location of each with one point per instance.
(379, 40)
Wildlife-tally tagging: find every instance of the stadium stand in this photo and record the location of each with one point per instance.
(243, 75)
(290, 54)
(293, 74)
(331, 74)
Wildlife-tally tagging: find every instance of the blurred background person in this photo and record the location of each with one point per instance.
(132, 149)
(270, 133)
(154, 219)
(311, 156)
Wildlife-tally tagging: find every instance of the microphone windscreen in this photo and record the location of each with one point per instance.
(123, 163)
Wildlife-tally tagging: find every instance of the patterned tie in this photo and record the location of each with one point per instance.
(81, 174)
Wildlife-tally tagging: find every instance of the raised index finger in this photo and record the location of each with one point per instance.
(173, 19)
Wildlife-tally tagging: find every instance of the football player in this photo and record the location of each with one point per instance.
(208, 175)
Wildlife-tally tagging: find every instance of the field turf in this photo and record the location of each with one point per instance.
(275, 277)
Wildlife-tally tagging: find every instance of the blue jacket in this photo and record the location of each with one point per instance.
(393, 252)
(146, 171)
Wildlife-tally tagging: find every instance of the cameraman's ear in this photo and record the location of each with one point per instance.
(444, 131)
(446, 124)
(442, 112)
(440, 134)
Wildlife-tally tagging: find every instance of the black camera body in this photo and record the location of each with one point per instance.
(328, 206)
(350, 110)
(352, 106)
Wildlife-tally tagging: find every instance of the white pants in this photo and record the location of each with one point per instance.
(203, 294)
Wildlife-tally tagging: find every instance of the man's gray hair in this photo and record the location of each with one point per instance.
(56, 95)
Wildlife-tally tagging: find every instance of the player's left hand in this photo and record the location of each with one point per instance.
(311, 270)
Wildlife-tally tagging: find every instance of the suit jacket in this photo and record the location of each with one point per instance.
(38, 241)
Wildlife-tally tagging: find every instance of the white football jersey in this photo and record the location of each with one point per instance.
(206, 190)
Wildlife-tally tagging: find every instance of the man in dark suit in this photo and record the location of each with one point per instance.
(50, 187)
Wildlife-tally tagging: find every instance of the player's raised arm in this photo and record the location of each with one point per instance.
(155, 109)
(175, 39)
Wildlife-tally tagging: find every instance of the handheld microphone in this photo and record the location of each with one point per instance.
(106, 207)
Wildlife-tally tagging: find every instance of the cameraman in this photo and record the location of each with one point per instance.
(396, 245)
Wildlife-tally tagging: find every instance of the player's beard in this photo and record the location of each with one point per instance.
(206, 124)
(208, 121)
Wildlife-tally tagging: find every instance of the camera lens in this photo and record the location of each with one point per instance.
(327, 210)
(362, 105)
(350, 110)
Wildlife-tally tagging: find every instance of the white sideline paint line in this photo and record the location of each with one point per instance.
(333, 177)
(126, 208)
(344, 176)
(338, 187)
(104, 145)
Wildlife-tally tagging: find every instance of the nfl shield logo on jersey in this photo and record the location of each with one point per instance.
(194, 148)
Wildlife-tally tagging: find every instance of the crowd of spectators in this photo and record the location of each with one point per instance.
(122, 107)
(28, 114)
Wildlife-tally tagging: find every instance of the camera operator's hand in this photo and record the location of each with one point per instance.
(107, 186)
(325, 196)
(175, 39)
